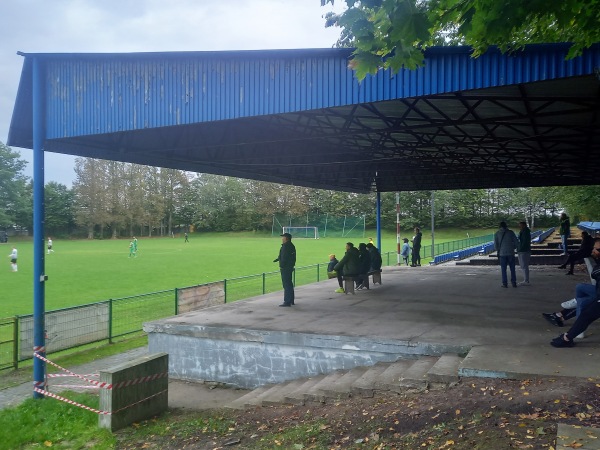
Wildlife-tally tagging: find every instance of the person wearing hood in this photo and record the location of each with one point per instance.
(350, 263)
(364, 259)
(405, 253)
(506, 242)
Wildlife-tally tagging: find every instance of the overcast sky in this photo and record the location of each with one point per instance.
(110, 26)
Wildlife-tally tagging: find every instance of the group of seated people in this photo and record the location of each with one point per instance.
(357, 263)
(585, 306)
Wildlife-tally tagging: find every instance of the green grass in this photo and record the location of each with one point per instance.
(81, 271)
(50, 423)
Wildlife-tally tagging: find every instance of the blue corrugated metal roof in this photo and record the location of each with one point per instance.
(300, 116)
(105, 93)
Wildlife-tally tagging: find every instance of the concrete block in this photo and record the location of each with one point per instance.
(348, 285)
(377, 278)
(140, 390)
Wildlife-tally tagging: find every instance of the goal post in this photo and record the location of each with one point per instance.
(302, 232)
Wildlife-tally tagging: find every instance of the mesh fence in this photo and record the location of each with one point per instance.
(8, 348)
(328, 226)
(129, 313)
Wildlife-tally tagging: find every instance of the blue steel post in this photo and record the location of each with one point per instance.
(39, 345)
(379, 221)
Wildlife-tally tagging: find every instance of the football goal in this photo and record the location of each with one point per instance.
(302, 232)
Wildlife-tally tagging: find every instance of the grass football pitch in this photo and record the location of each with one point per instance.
(81, 271)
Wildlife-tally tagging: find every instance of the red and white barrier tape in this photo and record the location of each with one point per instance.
(73, 386)
(97, 411)
(58, 375)
(104, 385)
(70, 402)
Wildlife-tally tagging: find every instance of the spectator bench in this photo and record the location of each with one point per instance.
(349, 281)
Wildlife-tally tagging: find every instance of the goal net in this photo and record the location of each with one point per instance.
(317, 226)
(302, 232)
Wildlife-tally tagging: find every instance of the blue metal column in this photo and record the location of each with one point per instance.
(39, 310)
(379, 221)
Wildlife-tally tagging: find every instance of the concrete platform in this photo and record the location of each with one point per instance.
(429, 310)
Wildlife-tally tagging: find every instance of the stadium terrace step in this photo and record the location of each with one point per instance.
(404, 375)
(414, 378)
(296, 396)
(275, 397)
(317, 392)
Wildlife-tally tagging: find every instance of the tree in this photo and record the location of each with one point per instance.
(58, 208)
(15, 195)
(90, 194)
(394, 33)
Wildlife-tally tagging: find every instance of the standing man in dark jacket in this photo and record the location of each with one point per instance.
(287, 261)
(565, 232)
(524, 251)
(416, 252)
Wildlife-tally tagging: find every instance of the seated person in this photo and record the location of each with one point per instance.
(376, 261)
(589, 312)
(585, 250)
(331, 272)
(364, 259)
(585, 294)
(349, 264)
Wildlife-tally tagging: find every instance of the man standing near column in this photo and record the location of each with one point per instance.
(287, 261)
(524, 251)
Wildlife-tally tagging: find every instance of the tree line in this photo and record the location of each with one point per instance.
(111, 199)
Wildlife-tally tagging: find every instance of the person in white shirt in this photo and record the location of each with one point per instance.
(13, 259)
(50, 246)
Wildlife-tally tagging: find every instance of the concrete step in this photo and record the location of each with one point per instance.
(343, 385)
(297, 396)
(316, 393)
(277, 397)
(445, 369)
(401, 376)
(270, 389)
(414, 379)
(364, 386)
(392, 374)
(249, 398)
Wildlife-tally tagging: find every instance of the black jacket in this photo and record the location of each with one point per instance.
(375, 259)
(349, 263)
(287, 256)
(364, 258)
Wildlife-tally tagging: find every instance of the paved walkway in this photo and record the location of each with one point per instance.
(15, 395)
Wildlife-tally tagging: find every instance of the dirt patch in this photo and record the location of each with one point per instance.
(490, 414)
